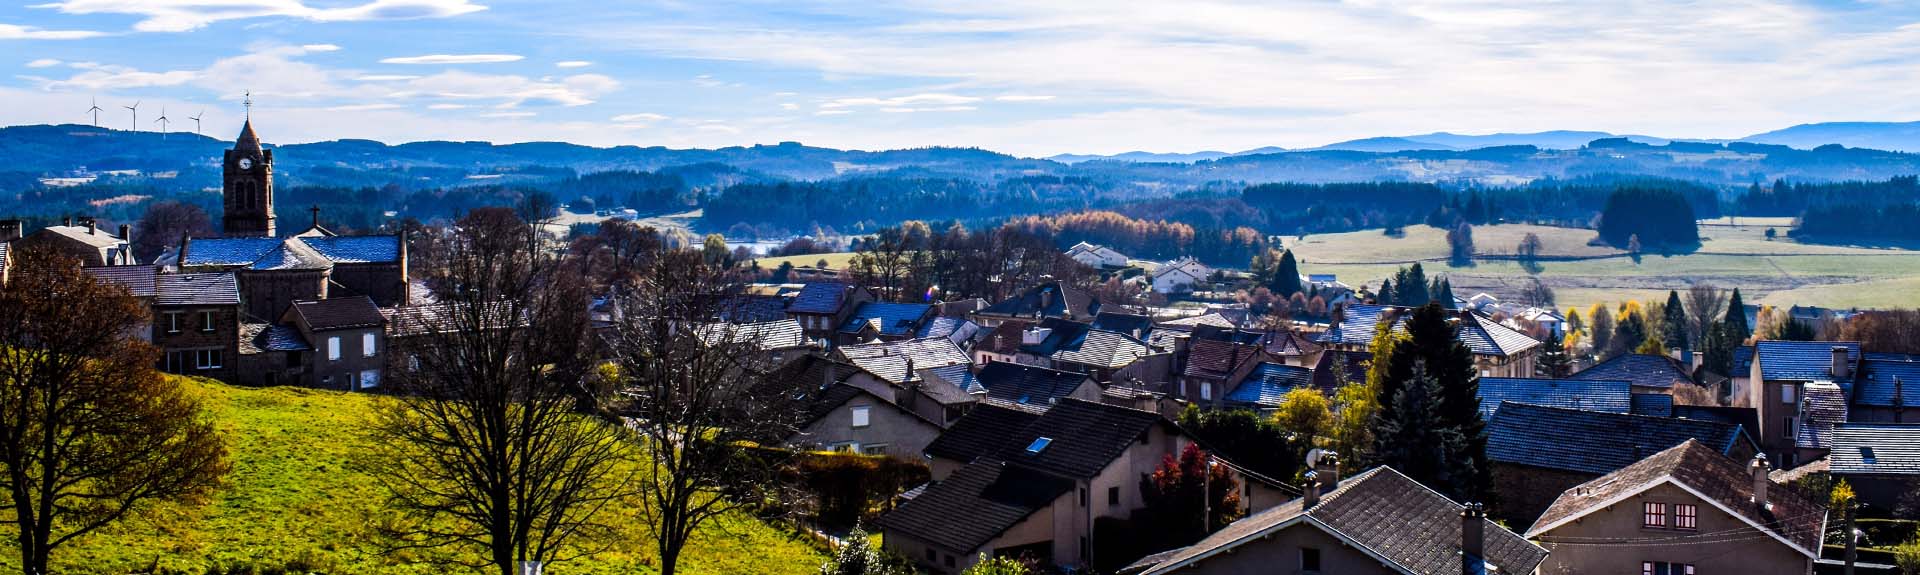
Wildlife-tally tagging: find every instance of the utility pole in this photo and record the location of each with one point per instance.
(1853, 537)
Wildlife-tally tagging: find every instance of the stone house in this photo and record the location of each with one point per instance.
(846, 415)
(349, 341)
(1776, 384)
(1498, 350)
(822, 307)
(196, 323)
(86, 242)
(1687, 510)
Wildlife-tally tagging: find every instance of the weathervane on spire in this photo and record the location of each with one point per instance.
(249, 104)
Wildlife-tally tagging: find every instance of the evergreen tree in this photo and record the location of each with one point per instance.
(1286, 278)
(856, 556)
(1412, 438)
(1443, 293)
(1413, 288)
(1673, 324)
(1737, 329)
(1602, 330)
(1432, 352)
(1385, 297)
(1628, 334)
(1717, 349)
(1554, 362)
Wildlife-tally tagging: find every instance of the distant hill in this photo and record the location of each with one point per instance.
(1895, 136)
(1387, 144)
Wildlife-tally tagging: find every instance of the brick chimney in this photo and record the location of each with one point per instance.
(1473, 539)
(1840, 363)
(93, 227)
(1328, 470)
(1310, 491)
(126, 233)
(1759, 469)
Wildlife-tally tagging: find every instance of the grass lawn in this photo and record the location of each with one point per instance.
(834, 260)
(292, 500)
(1779, 271)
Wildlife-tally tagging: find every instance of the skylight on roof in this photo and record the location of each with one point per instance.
(1866, 456)
(1039, 444)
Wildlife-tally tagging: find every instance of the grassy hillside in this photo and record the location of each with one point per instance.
(1732, 254)
(293, 501)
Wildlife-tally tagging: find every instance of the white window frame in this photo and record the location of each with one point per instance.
(367, 345)
(206, 321)
(173, 322)
(1206, 391)
(862, 416)
(205, 359)
(1787, 393)
(333, 348)
(873, 449)
(370, 379)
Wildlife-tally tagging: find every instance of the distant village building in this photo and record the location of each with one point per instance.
(94, 247)
(1179, 275)
(1096, 256)
(1498, 350)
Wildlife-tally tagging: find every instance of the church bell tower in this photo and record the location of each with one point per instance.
(247, 185)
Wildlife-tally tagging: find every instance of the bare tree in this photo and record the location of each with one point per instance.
(491, 446)
(89, 432)
(164, 224)
(686, 381)
(1706, 304)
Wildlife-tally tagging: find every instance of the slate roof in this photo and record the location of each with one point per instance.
(960, 375)
(1326, 372)
(1026, 384)
(228, 251)
(820, 298)
(889, 360)
(1356, 326)
(1165, 340)
(1383, 512)
(1611, 396)
(1597, 442)
(139, 280)
(263, 337)
(1190, 322)
(339, 313)
(1743, 361)
(1102, 349)
(1746, 417)
(751, 308)
(1127, 323)
(1216, 359)
(1875, 386)
(1895, 448)
(982, 431)
(1269, 383)
(1085, 435)
(941, 326)
(1652, 404)
(1705, 469)
(356, 249)
(766, 335)
(196, 289)
(1644, 370)
(1063, 301)
(1803, 360)
(1478, 332)
(1824, 406)
(1289, 343)
(98, 238)
(893, 319)
(974, 505)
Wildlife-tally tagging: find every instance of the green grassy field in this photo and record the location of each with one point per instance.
(834, 260)
(1778, 271)
(292, 500)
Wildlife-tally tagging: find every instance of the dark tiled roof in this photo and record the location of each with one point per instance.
(1704, 469)
(1100, 348)
(1742, 360)
(751, 308)
(1165, 340)
(1643, 370)
(1803, 360)
(1387, 514)
(1127, 323)
(340, 313)
(1005, 338)
(1895, 448)
(1875, 386)
(889, 360)
(1047, 300)
(1652, 404)
(1269, 383)
(1084, 437)
(196, 289)
(1332, 363)
(1188, 323)
(820, 298)
(1356, 326)
(1824, 406)
(982, 431)
(1890, 356)
(1746, 417)
(254, 254)
(960, 376)
(356, 249)
(1599, 395)
(893, 319)
(941, 326)
(1290, 343)
(1027, 384)
(974, 505)
(139, 280)
(766, 335)
(1596, 442)
(263, 337)
(1216, 359)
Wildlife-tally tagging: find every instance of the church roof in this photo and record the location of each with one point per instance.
(248, 140)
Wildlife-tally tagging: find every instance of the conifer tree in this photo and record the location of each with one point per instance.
(1385, 297)
(1432, 352)
(1286, 278)
(1737, 329)
(1673, 325)
(1554, 362)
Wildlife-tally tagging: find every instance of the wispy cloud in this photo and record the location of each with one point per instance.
(940, 100)
(43, 63)
(384, 77)
(445, 59)
(364, 107)
(1021, 98)
(573, 64)
(448, 107)
(645, 117)
(509, 114)
(18, 32)
(184, 15)
(105, 77)
(320, 47)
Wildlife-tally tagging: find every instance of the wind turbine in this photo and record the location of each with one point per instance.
(136, 114)
(196, 122)
(95, 110)
(162, 122)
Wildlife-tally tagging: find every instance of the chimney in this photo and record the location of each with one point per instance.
(1679, 355)
(126, 233)
(1473, 537)
(1899, 400)
(1046, 299)
(827, 377)
(1840, 362)
(1310, 491)
(12, 229)
(93, 227)
(1760, 482)
(1327, 468)
(67, 221)
(316, 216)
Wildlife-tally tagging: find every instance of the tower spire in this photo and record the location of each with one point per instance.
(248, 102)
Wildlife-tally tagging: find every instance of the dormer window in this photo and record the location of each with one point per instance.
(1039, 444)
(1866, 456)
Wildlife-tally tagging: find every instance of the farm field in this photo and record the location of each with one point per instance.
(294, 503)
(834, 260)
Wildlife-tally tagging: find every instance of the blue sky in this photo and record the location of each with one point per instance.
(1031, 78)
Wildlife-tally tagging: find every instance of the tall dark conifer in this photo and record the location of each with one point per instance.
(1736, 322)
(1385, 297)
(1673, 324)
(1286, 278)
(1433, 352)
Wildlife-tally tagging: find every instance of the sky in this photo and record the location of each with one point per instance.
(1028, 78)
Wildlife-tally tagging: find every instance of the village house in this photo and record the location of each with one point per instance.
(1776, 384)
(1212, 365)
(774, 342)
(1377, 522)
(822, 307)
(139, 283)
(1179, 276)
(1267, 385)
(86, 242)
(1034, 385)
(196, 323)
(845, 414)
(1047, 300)
(1687, 510)
(916, 374)
(1077, 347)
(979, 434)
(1880, 460)
(349, 338)
(1097, 257)
(1498, 350)
(1536, 452)
(1611, 396)
(1648, 373)
(884, 321)
(1887, 390)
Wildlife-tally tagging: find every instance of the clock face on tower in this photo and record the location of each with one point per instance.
(246, 163)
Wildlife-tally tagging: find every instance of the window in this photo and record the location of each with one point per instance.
(874, 449)
(367, 344)
(1786, 428)
(845, 447)
(1083, 497)
(206, 359)
(1866, 456)
(862, 416)
(1206, 390)
(1685, 516)
(370, 379)
(1038, 444)
(333, 349)
(1786, 393)
(931, 556)
(1665, 568)
(949, 561)
(206, 321)
(1113, 496)
(1655, 515)
(1309, 559)
(177, 361)
(173, 322)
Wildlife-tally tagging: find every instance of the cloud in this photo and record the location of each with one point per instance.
(365, 107)
(899, 102)
(638, 118)
(384, 78)
(320, 47)
(509, 114)
(511, 91)
(789, 106)
(573, 64)
(1021, 98)
(448, 107)
(17, 32)
(832, 112)
(104, 77)
(455, 59)
(184, 15)
(43, 63)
